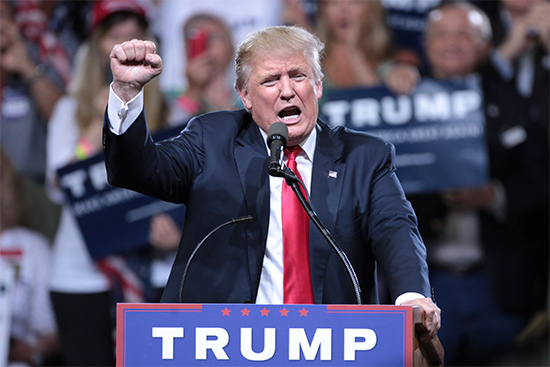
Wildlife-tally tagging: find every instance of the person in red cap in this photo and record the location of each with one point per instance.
(104, 9)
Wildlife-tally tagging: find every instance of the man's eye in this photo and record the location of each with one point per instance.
(269, 82)
(299, 77)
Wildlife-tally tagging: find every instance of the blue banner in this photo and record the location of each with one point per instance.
(438, 131)
(267, 335)
(112, 220)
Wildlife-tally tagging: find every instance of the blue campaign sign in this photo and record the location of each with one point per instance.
(269, 335)
(438, 131)
(112, 220)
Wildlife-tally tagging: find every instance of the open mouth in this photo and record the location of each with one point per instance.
(290, 113)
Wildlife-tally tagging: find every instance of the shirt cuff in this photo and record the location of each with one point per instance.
(122, 115)
(409, 296)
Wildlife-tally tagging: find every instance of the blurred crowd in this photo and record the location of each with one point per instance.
(488, 246)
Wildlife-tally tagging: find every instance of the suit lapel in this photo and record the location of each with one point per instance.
(327, 179)
(251, 160)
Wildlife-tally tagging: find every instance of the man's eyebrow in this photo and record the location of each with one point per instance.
(297, 69)
(277, 73)
(269, 75)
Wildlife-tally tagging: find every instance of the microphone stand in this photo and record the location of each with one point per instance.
(293, 181)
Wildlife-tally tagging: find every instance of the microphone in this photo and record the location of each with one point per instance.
(246, 218)
(277, 138)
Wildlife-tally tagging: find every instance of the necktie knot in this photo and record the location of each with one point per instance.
(292, 152)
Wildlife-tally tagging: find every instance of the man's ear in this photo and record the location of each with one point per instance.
(319, 89)
(245, 98)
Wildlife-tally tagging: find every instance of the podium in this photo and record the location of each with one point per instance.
(272, 335)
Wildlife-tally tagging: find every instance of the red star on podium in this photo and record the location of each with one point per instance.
(225, 312)
(245, 312)
(264, 312)
(284, 312)
(303, 312)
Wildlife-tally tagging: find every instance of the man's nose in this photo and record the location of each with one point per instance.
(286, 88)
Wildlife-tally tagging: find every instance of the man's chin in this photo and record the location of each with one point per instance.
(296, 138)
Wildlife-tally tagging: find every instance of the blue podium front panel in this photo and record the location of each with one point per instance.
(267, 335)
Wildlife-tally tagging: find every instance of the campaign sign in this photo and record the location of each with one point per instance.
(438, 131)
(112, 220)
(268, 335)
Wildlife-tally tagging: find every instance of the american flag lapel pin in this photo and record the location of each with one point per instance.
(332, 174)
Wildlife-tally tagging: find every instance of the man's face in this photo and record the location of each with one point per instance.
(454, 44)
(282, 89)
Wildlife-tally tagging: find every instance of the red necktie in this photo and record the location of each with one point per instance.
(296, 272)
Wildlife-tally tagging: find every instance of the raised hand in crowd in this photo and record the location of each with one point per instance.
(15, 59)
(402, 78)
(528, 29)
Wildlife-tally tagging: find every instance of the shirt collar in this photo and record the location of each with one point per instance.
(308, 145)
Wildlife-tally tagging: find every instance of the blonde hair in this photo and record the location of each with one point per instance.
(375, 34)
(285, 40)
(90, 78)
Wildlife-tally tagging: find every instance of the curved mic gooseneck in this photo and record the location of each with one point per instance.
(247, 218)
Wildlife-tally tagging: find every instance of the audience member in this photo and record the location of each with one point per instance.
(407, 20)
(522, 41)
(75, 131)
(33, 332)
(242, 17)
(210, 52)
(358, 43)
(359, 47)
(488, 245)
(38, 40)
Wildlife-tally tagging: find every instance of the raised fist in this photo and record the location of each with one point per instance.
(133, 64)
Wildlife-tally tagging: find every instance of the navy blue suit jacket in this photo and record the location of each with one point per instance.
(217, 167)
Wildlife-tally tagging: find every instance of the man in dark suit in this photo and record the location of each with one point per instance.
(218, 167)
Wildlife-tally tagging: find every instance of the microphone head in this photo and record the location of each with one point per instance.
(278, 131)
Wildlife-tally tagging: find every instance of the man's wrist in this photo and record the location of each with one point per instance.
(126, 91)
(122, 114)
